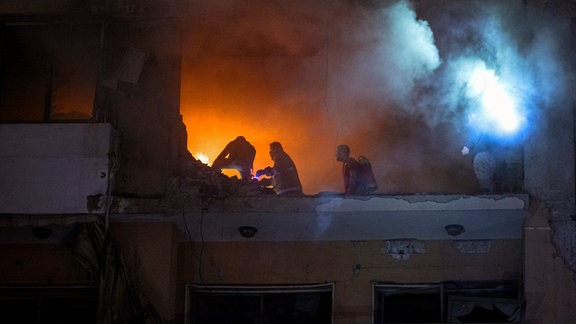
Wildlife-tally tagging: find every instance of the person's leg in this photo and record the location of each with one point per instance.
(484, 167)
(245, 174)
(220, 164)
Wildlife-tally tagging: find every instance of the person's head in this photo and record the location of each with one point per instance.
(342, 152)
(275, 148)
(241, 138)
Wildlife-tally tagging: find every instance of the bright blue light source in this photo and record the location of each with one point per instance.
(498, 110)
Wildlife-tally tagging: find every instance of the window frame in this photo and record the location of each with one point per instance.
(45, 112)
(254, 290)
(501, 292)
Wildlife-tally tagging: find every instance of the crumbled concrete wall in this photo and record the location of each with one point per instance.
(149, 250)
(146, 110)
(549, 285)
(549, 178)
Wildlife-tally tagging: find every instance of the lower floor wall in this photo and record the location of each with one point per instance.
(352, 267)
(44, 283)
(549, 285)
(162, 267)
(41, 264)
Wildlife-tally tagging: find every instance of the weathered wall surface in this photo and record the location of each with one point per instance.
(332, 261)
(40, 175)
(41, 265)
(550, 288)
(550, 236)
(146, 109)
(149, 251)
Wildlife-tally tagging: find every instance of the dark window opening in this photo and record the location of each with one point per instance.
(63, 305)
(408, 304)
(248, 304)
(48, 73)
(449, 302)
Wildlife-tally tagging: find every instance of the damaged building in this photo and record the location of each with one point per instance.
(110, 214)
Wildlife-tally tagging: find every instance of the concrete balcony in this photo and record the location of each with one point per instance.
(54, 168)
(326, 218)
(62, 170)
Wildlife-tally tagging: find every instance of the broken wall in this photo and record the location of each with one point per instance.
(142, 101)
(149, 251)
(550, 288)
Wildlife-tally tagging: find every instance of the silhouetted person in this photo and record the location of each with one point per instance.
(239, 155)
(285, 179)
(483, 147)
(357, 176)
(366, 179)
(350, 169)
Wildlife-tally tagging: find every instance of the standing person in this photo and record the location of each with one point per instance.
(239, 154)
(350, 169)
(482, 147)
(285, 179)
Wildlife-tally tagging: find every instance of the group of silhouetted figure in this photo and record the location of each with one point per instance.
(283, 177)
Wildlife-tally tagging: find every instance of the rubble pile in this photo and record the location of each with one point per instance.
(197, 180)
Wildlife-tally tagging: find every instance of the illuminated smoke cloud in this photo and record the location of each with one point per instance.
(528, 48)
(381, 52)
(385, 77)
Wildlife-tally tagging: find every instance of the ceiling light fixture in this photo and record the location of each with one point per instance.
(454, 229)
(247, 231)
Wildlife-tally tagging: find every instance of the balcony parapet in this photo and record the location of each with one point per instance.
(337, 217)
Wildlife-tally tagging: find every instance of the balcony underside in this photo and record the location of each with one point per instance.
(348, 218)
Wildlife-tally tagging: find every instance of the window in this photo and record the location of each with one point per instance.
(48, 304)
(259, 304)
(48, 72)
(448, 302)
(408, 304)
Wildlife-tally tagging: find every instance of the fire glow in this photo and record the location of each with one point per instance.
(210, 132)
(372, 79)
(202, 157)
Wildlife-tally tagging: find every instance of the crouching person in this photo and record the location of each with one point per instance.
(285, 180)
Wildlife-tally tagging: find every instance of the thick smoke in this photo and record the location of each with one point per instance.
(388, 78)
(528, 47)
(380, 54)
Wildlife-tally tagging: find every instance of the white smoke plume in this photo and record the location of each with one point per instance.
(385, 77)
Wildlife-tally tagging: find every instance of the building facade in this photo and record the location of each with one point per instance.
(106, 217)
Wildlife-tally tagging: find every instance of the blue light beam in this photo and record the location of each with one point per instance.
(498, 110)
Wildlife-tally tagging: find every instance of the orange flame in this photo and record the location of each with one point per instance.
(217, 106)
(202, 157)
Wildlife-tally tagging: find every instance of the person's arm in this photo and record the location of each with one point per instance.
(472, 142)
(222, 154)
